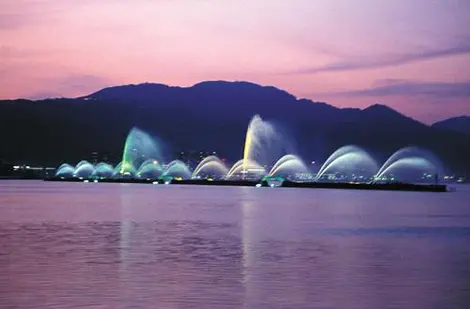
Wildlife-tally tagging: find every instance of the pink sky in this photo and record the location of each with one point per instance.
(412, 55)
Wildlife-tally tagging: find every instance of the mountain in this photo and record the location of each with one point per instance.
(457, 124)
(210, 116)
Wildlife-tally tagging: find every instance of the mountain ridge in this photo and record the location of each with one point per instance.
(209, 115)
(459, 124)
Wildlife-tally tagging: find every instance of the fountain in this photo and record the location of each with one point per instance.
(150, 168)
(211, 166)
(104, 170)
(263, 143)
(177, 169)
(350, 166)
(84, 169)
(287, 166)
(117, 170)
(350, 159)
(246, 169)
(65, 170)
(417, 162)
(138, 148)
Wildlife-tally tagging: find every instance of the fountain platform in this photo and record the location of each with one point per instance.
(392, 186)
(285, 184)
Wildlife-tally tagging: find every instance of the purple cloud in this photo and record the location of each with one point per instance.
(409, 88)
(390, 60)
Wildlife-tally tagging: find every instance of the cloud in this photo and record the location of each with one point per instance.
(362, 63)
(409, 88)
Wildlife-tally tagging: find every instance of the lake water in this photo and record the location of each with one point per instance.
(85, 245)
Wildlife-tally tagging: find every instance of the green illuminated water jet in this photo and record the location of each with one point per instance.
(138, 148)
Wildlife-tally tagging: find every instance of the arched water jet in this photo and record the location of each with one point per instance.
(413, 165)
(65, 170)
(237, 166)
(244, 168)
(288, 165)
(348, 159)
(139, 147)
(117, 169)
(84, 169)
(211, 164)
(177, 169)
(104, 170)
(409, 152)
(149, 169)
(81, 163)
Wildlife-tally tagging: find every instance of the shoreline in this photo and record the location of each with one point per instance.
(284, 184)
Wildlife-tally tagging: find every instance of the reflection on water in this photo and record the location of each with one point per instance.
(114, 246)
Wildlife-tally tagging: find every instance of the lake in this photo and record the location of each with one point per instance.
(86, 245)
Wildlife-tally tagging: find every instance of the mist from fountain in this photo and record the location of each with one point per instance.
(138, 148)
(288, 165)
(349, 159)
(211, 165)
(177, 169)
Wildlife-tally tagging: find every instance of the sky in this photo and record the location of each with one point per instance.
(413, 55)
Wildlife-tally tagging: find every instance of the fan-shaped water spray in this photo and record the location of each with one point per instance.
(150, 168)
(288, 165)
(139, 147)
(349, 159)
(211, 166)
(104, 170)
(65, 170)
(177, 169)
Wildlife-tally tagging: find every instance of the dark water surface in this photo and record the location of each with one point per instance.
(77, 245)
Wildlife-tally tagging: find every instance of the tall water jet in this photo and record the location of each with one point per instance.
(288, 165)
(139, 147)
(150, 168)
(350, 159)
(211, 166)
(84, 169)
(417, 162)
(177, 169)
(104, 170)
(262, 143)
(246, 169)
(65, 170)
